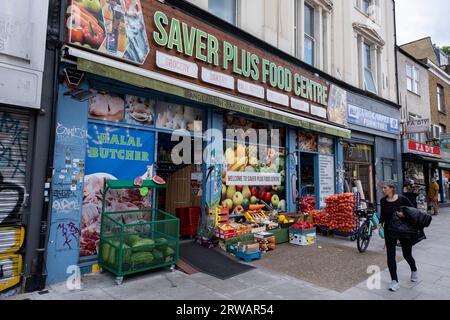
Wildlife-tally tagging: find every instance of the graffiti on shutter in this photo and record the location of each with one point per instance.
(14, 128)
(13, 159)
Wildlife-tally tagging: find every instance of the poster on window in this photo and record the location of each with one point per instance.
(308, 142)
(327, 181)
(113, 153)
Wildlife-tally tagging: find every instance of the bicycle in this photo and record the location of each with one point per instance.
(368, 222)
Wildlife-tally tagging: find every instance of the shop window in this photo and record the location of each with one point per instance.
(308, 142)
(358, 166)
(387, 171)
(177, 117)
(254, 173)
(120, 108)
(106, 106)
(224, 9)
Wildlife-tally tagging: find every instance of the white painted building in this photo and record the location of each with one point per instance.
(352, 40)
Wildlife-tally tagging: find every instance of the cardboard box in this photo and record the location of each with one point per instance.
(248, 247)
(302, 239)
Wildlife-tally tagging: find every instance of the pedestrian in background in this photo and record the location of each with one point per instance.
(433, 196)
(391, 205)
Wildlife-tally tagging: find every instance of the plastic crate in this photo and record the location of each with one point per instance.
(189, 220)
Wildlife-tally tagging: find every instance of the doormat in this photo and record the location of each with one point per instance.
(210, 261)
(334, 267)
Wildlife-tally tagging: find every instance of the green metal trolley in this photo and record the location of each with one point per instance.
(137, 240)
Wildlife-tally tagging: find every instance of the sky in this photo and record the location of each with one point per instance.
(417, 19)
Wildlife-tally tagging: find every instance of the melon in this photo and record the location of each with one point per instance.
(158, 180)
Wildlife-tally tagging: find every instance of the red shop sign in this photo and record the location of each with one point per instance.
(417, 147)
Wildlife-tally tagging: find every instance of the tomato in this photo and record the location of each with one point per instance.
(76, 35)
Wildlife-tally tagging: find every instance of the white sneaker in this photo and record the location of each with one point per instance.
(414, 276)
(395, 286)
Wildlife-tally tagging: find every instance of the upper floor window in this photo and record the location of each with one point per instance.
(365, 6)
(312, 32)
(442, 130)
(440, 98)
(412, 78)
(225, 9)
(309, 35)
(369, 79)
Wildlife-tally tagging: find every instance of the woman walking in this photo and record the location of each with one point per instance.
(390, 217)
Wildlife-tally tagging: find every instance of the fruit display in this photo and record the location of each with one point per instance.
(303, 225)
(283, 219)
(321, 218)
(255, 217)
(308, 204)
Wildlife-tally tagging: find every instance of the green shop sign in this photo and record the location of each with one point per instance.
(178, 36)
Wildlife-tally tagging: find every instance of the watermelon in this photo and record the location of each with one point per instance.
(158, 180)
(138, 181)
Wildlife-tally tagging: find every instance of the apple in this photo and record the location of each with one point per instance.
(228, 204)
(238, 198)
(239, 188)
(253, 200)
(268, 198)
(230, 192)
(92, 5)
(281, 205)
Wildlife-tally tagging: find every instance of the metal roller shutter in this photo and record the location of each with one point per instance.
(14, 131)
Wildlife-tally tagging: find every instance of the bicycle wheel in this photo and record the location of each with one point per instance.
(363, 238)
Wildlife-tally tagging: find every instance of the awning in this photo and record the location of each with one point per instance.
(109, 68)
(422, 158)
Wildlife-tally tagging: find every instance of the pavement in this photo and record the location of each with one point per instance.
(432, 257)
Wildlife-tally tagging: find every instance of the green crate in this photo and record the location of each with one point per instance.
(127, 248)
(281, 235)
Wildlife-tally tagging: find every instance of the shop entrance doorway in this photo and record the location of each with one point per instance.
(184, 181)
(308, 172)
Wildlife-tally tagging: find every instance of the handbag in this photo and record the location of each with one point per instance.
(381, 232)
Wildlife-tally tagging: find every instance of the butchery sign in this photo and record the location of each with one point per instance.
(112, 153)
(163, 39)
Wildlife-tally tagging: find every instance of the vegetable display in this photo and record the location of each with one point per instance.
(340, 211)
(308, 204)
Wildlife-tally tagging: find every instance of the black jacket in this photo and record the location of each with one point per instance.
(412, 225)
(417, 218)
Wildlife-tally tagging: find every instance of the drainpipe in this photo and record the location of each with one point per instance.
(400, 143)
(55, 33)
(395, 46)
